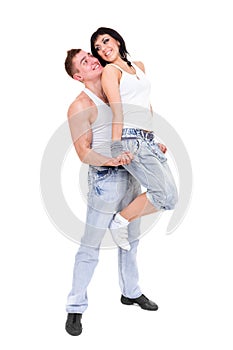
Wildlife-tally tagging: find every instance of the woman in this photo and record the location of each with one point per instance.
(128, 89)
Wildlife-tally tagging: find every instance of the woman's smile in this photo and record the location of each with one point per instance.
(107, 48)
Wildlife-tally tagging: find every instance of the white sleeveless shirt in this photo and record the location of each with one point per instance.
(102, 126)
(135, 99)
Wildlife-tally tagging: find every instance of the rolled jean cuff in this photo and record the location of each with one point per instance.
(156, 203)
(160, 204)
(116, 148)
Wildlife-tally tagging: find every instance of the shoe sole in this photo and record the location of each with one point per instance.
(128, 303)
(73, 333)
(136, 304)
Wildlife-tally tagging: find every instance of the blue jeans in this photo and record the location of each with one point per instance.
(110, 190)
(149, 166)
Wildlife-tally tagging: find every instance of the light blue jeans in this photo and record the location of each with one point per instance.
(110, 190)
(149, 166)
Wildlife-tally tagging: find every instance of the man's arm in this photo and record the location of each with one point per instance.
(80, 115)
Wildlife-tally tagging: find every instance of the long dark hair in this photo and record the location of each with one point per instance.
(114, 34)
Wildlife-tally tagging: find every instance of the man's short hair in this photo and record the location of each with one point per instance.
(69, 61)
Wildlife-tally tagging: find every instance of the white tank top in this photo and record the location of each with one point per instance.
(102, 126)
(135, 98)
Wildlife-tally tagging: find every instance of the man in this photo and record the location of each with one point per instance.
(111, 187)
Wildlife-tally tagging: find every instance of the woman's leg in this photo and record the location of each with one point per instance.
(140, 206)
(153, 173)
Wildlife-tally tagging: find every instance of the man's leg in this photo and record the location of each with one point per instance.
(106, 190)
(127, 263)
(87, 256)
(128, 271)
(85, 263)
(127, 260)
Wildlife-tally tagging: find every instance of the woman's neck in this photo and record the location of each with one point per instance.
(119, 61)
(124, 65)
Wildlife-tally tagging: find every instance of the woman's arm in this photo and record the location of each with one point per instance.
(111, 85)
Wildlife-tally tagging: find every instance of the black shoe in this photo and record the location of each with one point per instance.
(142, 301)
(73, 324)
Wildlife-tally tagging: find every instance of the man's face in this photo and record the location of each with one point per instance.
(87, 65)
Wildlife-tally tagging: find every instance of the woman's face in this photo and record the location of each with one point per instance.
(107, 47)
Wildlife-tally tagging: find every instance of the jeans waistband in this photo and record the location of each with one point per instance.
(131, 133)
(115, 167)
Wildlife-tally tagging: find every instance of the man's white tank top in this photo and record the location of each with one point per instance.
(135, 98)
(102, 126)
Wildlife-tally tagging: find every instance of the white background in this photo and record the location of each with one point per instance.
(186, 47)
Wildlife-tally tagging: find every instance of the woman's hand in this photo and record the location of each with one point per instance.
(162, 147)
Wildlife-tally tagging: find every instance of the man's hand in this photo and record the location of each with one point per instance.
(162, 147)
(123, 159)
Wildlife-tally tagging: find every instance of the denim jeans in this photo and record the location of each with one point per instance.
(110, 190)
(149, 166)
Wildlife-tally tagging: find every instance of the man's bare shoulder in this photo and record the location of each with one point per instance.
(80, 104)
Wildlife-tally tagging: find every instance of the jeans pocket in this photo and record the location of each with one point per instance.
(131, 145)
(96, 179)
(102, 174)
(106, 186)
